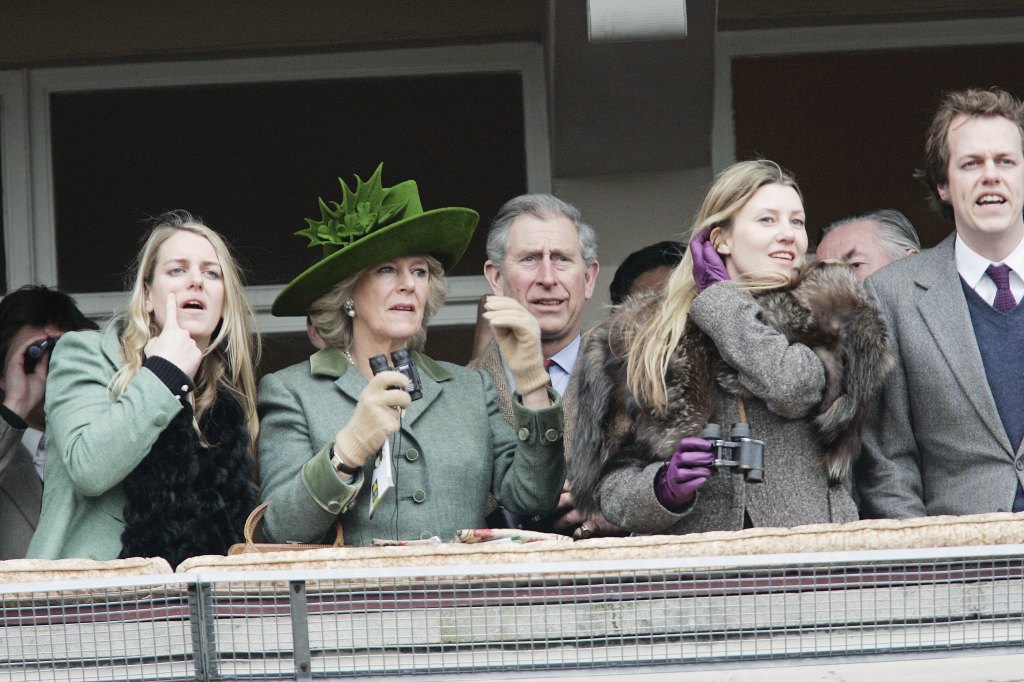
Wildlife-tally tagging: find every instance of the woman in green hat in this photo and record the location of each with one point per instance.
(339, 442)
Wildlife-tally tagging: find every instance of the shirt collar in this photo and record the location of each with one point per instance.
(566, 358)
(972, 266)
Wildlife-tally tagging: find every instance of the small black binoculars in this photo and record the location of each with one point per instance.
(35, 352)
(402, 363)
(741, 453)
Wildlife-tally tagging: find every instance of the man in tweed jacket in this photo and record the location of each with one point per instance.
(541, 253)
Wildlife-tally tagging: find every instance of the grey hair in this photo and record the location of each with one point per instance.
(335, 327)
(542, 207)
(897, 233)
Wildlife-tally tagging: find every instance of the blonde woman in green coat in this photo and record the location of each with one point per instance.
(333, 433)
(150, 423)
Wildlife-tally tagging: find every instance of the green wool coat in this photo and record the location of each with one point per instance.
(92, 444)
(453, 449)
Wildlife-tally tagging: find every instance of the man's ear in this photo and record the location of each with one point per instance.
(943, 190)
(590, 279)
(493, 275)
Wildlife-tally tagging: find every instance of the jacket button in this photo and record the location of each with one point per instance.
(334, 506)
(412, 454)
(1020, 464)
(419, 496)
(524, 433)
(426, 535)
(551, 435)
(160, 421)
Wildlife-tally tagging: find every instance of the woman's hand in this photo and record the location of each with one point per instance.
(676, 485)
(518, 335)
(174, 344)
(708, 267)
(376, 417)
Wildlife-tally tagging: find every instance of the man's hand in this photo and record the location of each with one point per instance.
(518, 335)
(23, 393)
(594, 525)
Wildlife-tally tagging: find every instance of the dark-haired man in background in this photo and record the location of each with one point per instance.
(28, 315)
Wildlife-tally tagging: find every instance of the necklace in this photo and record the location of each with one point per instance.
(349, 356)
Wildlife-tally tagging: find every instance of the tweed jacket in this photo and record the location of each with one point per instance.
(93, 444)
(490, 362)
(787, 382)
(454, 448)
(935, 443)
(21, 493)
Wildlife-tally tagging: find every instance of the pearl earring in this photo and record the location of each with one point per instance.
(350, 308)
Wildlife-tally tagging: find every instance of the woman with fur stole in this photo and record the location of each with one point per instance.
(151, 423)
(743, 332)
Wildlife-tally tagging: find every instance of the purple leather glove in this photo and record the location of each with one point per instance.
(677, 483)
(708, 267)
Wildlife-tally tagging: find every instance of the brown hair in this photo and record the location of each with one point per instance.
(972, 103)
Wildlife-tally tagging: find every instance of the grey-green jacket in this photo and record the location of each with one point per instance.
(92, 445)
(453, 449)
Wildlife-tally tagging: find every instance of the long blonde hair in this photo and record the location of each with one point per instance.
(229, 360)
(651, 349)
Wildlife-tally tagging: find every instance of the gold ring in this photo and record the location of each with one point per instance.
(585, 531)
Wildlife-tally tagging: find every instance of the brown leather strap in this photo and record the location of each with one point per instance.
(256, 516)
(743, 409)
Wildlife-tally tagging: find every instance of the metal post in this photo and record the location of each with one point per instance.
(300, 630)
(204, 645)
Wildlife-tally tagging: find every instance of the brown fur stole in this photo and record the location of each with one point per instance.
(823, 308)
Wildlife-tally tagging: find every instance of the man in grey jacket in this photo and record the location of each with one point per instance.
(31, 317)
(945, 437)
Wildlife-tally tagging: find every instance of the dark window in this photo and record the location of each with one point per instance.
(251, 160)
(852, 126)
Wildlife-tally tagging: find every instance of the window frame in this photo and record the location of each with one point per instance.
(14, 176)
(29, 224)
(827, 39)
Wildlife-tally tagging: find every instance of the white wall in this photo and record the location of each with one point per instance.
(630, 211)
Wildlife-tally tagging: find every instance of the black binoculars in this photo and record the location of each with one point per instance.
(35, 353)
(741, 453)
(402, 363)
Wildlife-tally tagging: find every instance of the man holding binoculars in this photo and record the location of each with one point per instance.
(32, 319)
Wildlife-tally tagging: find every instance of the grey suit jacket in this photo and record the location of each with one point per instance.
(935, 443)
(21, 494)
(490, 362)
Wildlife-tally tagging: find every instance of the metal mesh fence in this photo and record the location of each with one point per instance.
(536, 617)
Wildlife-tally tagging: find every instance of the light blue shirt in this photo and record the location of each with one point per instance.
(562, 365)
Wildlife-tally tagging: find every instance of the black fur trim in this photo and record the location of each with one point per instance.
(184, 500)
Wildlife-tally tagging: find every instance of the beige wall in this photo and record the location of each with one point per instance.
(630, 211)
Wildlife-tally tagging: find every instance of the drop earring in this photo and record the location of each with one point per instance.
(350, 308)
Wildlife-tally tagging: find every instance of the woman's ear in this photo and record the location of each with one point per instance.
(721, 243)
(148, 300)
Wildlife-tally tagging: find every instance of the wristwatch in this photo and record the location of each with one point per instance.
(341, 465)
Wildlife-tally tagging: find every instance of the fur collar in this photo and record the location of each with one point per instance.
(824, 308)
(185, 500)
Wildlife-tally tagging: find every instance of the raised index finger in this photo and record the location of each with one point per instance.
(171, 315)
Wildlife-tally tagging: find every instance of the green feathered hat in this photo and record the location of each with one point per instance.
(372, 225)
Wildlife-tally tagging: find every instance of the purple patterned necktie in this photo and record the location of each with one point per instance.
(1000, 274)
